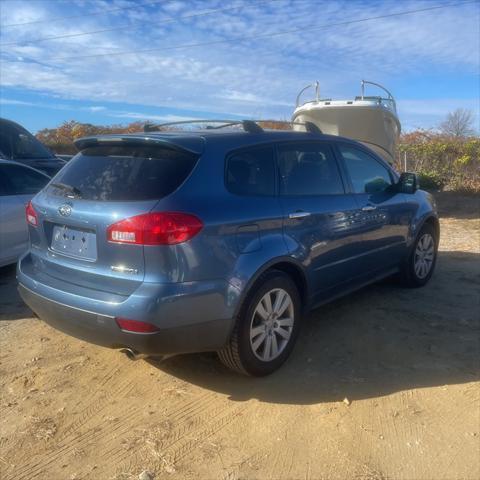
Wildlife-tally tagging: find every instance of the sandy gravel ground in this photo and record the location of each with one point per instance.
(406, 360)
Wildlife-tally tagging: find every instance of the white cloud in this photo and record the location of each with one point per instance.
(8, 101)
(145, 116)
(23, 103)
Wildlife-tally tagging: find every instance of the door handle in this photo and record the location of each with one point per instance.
(299, 215)
(369, 208)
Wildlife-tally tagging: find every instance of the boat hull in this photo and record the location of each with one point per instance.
(368, 122)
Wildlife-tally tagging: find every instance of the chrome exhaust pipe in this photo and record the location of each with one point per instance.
(132, 354)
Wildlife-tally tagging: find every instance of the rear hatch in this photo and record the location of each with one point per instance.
(110, 180)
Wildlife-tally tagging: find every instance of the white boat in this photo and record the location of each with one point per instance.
(371, 120)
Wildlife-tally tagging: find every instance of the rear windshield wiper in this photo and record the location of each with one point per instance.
(68, 189)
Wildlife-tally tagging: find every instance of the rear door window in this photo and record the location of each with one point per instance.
(251, 172)
(308, 169)
(124, 173)
(18, 180)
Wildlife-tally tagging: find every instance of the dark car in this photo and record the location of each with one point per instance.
(217, 240)
(20, 145)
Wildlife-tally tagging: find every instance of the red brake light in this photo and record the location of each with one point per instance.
(31, 215)
(158, 228)
(135, 326)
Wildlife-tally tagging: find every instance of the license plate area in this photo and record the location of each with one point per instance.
(74, 242)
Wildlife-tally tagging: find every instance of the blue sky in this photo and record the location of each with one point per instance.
(429, 60)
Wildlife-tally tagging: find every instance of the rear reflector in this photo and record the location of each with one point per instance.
(31, 215)
(157, 228)
(135, 326)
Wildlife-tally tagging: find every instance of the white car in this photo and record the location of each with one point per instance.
(18, 184)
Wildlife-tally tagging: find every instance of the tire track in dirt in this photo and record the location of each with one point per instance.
(100, 431)
(281, 466)
(185, 446)
(192, 419)
(93, 407)
(30, 471)
(179, 452)
(83, 400)
(233, 472)
(187, 420)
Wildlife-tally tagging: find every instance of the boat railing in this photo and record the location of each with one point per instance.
(388, 101)
(316, 86)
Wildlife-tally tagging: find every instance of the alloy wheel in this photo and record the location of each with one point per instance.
(271, 325)
(424, 255)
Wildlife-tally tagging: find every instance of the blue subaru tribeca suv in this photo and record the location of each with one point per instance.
(218, 240)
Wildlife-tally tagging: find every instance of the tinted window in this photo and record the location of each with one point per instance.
(122, 173)
(367, 174)
(16, 143)
(251, 172)
(22, 181)
(308, 169)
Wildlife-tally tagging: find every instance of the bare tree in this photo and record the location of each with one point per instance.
(459, 123)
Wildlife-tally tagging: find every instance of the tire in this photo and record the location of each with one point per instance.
(413, 275)
(249, 350)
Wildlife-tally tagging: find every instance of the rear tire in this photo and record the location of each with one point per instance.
(266, 328)
(420, 264)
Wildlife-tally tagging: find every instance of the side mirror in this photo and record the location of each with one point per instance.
(408, 183)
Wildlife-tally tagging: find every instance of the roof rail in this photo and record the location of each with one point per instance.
(248, 125)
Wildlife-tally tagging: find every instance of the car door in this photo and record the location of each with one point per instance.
(17, 186)
(320, 226)
(383, 212)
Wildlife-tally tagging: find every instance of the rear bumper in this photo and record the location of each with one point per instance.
(191, 317)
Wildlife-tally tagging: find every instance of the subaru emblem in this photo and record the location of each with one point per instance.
(65, 210)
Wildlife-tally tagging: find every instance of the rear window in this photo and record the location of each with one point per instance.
(251, 172)
(18, 144)
(122, 173)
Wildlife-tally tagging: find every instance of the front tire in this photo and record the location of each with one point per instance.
(266, 328)
(421, 262)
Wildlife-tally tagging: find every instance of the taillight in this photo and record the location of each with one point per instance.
(157, 228)
(31, 215)
(135, 326)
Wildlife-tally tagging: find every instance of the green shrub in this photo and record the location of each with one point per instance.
(431, 181)
(442, 163)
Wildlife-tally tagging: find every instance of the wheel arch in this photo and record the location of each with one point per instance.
(283, 264)
(434, 222)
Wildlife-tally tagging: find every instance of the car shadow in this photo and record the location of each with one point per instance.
(380, 340)
(12, 306)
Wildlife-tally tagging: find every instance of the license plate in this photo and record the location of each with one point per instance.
(74, 242)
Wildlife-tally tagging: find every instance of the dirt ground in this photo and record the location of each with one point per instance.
(406, 361)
